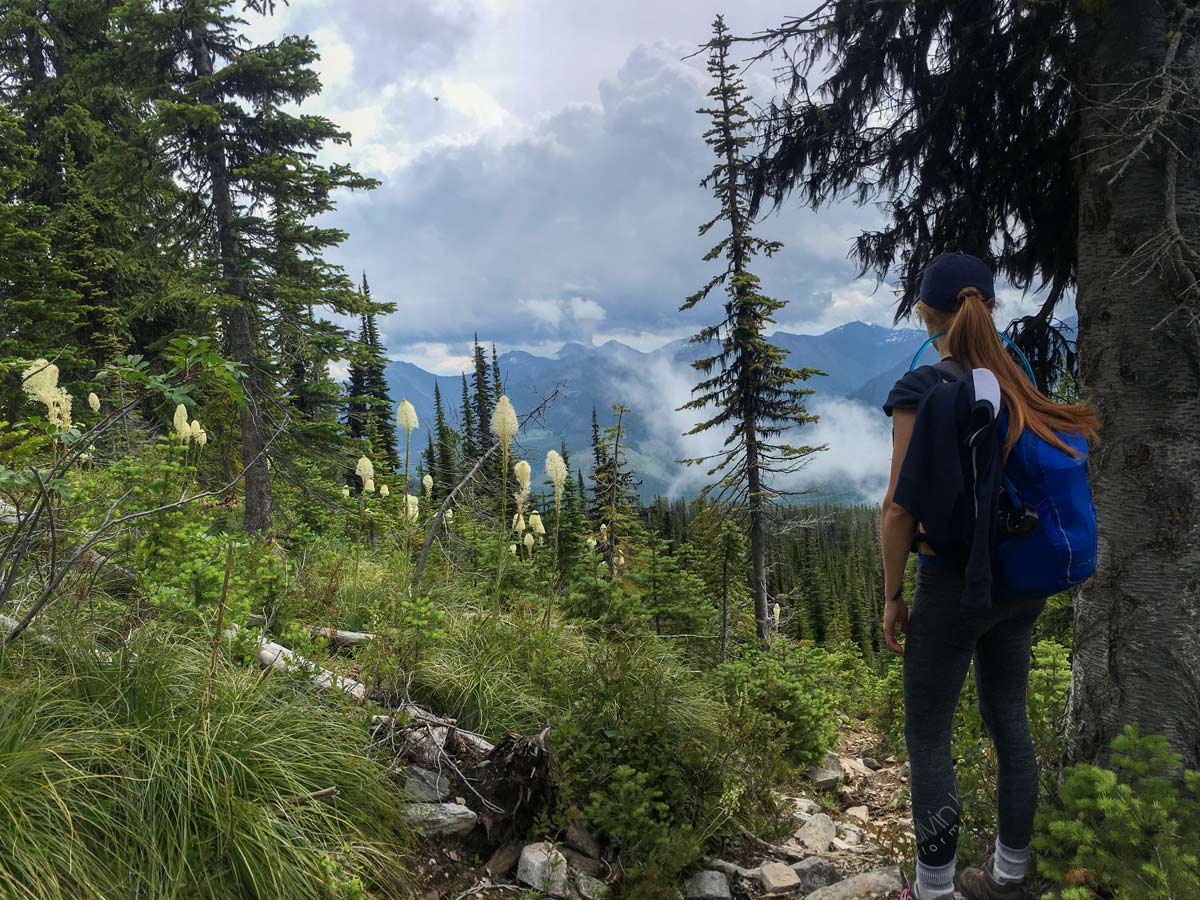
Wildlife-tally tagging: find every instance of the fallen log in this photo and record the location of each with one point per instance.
(339, 638)
(280, 659)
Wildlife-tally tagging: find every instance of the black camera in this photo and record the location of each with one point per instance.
(1014, 520)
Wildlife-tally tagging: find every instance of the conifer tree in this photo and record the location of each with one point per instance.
(482, 398)
(497, 380)
(470, 445)
(445, 474)
(380, 427)
(247, 163)
(747, 390)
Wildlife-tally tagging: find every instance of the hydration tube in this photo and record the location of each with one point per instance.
(1004, 337)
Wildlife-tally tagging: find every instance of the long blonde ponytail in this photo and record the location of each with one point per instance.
(970, 338)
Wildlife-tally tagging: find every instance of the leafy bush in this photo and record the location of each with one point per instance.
(1131, 832)
(135, 774)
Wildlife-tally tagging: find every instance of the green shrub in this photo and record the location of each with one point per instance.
(133, 774)
(1131, 832)
(785, 692)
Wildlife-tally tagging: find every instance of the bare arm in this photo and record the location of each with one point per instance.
(896, 529)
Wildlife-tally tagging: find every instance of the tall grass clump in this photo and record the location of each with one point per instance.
(135, 774)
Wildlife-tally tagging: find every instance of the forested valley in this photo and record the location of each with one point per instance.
(265, 634)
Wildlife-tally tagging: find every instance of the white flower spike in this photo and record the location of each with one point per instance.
(93, 402)
(364, 469)
(504, 421)
(524, 473)
(406, 416)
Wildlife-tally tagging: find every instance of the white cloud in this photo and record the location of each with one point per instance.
(858, 436)
(562, 315)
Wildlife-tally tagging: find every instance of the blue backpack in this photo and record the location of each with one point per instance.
(1046, 536)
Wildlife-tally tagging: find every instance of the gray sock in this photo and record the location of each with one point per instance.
(1009, 865)
(935, 882)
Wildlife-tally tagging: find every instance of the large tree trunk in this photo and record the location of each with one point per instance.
(758, 548)
(238, 321)
(1137, 624)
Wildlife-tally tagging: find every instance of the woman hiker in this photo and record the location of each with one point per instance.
(933, 490)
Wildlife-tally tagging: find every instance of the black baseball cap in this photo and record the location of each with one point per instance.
(948, 274)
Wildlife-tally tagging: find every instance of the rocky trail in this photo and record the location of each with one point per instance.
(848, 827)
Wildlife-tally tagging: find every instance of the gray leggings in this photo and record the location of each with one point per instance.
(943, 636)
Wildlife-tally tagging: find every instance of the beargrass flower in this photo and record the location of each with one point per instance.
(504, 422)
(519, 524)
(202, 438)
(406, 416)
(524, 473)
(535, 523)
(383, 490)
(449, 515)
(556, 472)
(364, 469)
(40, 381)
(368, 485)
(529, 542)
(346, 491)
(427, 483)
(591, 543)
(512, 548)
(775, 611)
(93, 402)
(414, 507)
(183, 429)
(58, 411)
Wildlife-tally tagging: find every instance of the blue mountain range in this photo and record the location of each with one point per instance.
(861, 362)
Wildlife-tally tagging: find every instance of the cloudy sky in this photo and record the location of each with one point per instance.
(540, 162)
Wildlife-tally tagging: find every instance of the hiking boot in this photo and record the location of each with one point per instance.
(978, 884)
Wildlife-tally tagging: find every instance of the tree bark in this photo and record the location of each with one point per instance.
(238, 323)
(1137, 623)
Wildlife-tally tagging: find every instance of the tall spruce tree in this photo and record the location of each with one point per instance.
(445, 473)
(1058, 141)
(224, 114)
(747, 390)
(482, 398)
(380, 426)
(470, 447)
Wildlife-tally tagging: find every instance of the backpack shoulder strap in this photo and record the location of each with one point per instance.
(951, 365)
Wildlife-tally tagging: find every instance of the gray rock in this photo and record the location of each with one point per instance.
(502, 861)
(578, 837)
(543, 868)
(425, 786)
(777, 877)
(828, 774)
(859, 813)
(440, 818)
(862, 887)
(707, 884)
(815, 872)
(872, 763)
(581, 862)
(805, 806)
(851, 836)
(590, 888)
(817, 833)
